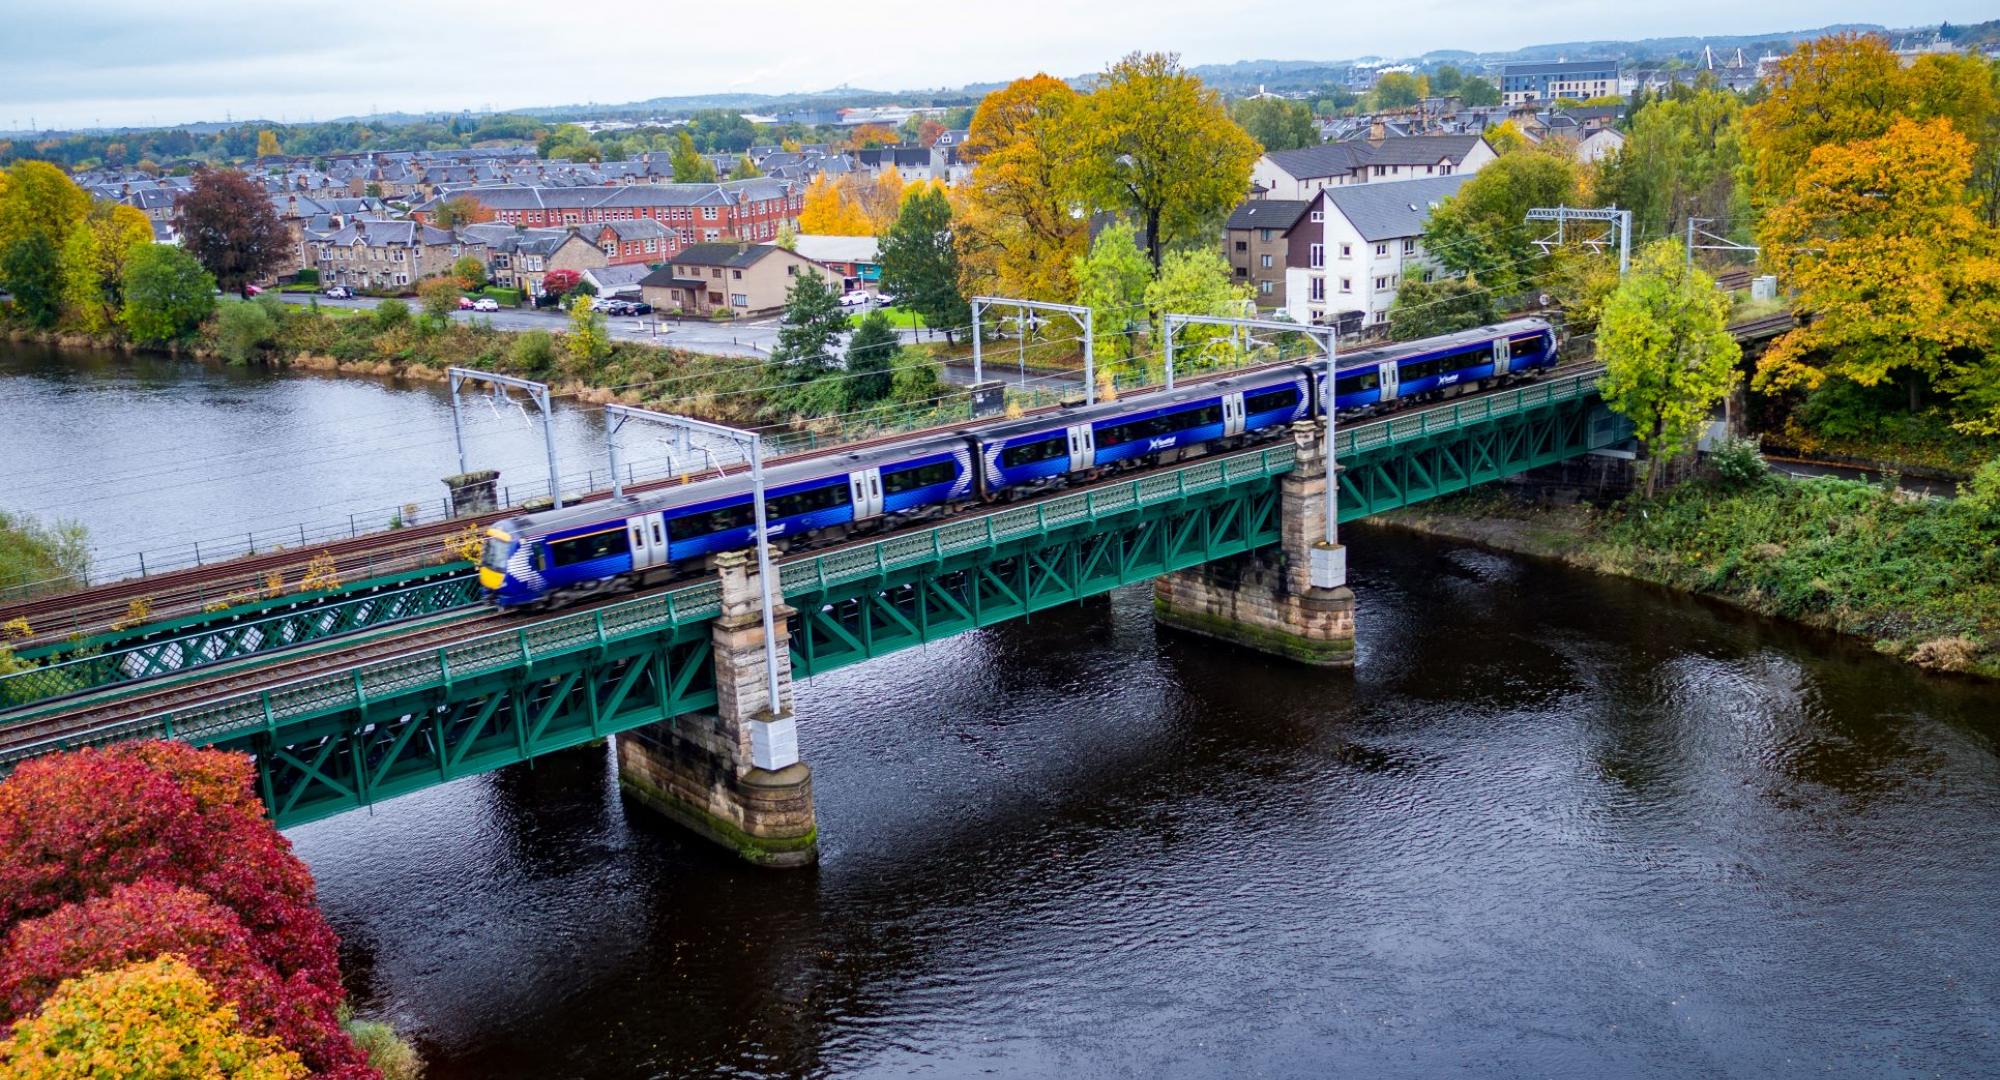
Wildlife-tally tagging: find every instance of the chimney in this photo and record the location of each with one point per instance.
(1376, 132)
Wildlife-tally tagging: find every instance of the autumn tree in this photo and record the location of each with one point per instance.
(459, 210)
(1160, 144)
(1111, 281)
(39, 208)
(928, 132)
(869, 136)
(166, 293)
(920, 261)
(1481, 231)
(745, 169)
(589, 337)
(469, 271)
(1667, 352)
(1896, 273)
(93, 262)
(835, 208)
(1505, 137)
(1444, 306)
(227, 223)
(689, 166)
(1399, 90)
(1022, 229)
(439, 298)
(267, 144)
(1277, 124)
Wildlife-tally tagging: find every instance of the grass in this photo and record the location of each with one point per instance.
(898, 318)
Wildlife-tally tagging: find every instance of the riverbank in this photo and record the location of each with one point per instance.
(1918, 578)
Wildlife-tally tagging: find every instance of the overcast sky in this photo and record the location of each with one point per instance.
(143, 62)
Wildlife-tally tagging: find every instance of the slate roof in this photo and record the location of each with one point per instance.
(1392, 211)
(1267, 213)
(847, 249)
(730, 255)
(1334, 159)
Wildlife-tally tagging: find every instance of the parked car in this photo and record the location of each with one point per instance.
(614, 307)
(639, 307)
(856, 301)
(465, 303)
(339, 292)
(253, 290)
(486, 303)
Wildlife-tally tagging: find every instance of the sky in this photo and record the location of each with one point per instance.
(140, 62)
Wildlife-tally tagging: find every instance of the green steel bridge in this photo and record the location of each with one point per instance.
(356, 701)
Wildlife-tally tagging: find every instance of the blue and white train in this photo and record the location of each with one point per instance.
(548, 558)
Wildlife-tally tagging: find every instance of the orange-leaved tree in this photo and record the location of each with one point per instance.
(1022, 225)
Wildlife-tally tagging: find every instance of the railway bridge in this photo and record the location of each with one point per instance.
(678, 676)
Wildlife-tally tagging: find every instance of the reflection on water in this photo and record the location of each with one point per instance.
(1553, 824)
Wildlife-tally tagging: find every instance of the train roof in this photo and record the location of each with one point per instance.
(1443, 342)
(699, 489)
(1152, 400)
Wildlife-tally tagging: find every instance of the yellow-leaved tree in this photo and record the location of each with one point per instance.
(833, 208)
(1898, 277)
(1022, 225)
(267, 144)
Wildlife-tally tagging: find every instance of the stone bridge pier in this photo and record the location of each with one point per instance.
(733, 775)
(1291, 600)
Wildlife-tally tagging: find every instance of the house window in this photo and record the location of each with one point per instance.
(711, 235)
(1242, 245)
(1347, 285)
(791, 271)
(1267, 262)
(1264, 235)
(1381, 283)
(715, 271)
(1316, 289)
(1265, 287)
(708, 213)
(1347, 251)
(1318, 216)
(736, 275)
(1381, 249)
(1242, 271)
(610, 248)
(739, 300)
(1316, 255)
(1409, 247)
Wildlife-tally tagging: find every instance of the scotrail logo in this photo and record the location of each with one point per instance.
(1161, 444)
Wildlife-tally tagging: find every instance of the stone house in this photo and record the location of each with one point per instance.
(370, 253)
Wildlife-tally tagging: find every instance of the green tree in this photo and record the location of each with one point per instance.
(1160, 145)
(1398, 90)
(1196, 281)
(689, 166)
(1447, 79)
(1478, 91)
(1443, 306)
(41, 555)
(915, 380)
(871, 360)
(1482, 231)
(788, 237)
(1278, 124)
(920, 260)
(1111, 281)
(32, 270)
(533, 352)
(167, 293)
(439, 297)
(93, 263)
(1667, 352)
(589, 338)
(242, 330)
(390, 314)
(469, 271)
(745, 169)
(1680, 159)
(811, 329)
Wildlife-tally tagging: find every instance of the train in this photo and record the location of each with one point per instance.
(536, 561)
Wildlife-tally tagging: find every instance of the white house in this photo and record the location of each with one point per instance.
(1296, 174)
(1599, 145)
(1356, 244)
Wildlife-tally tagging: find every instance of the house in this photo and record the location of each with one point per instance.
(1578, 80)
(743, 210)
(1253, 240)
(1297, 174)
(516, 258)
(1356, 244)
(746, 279)
(1599, 144)
(575, 252)
(634, 240)
(617, 279)
(371, 253)
(857, 259)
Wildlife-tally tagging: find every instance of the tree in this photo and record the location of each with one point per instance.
(35, 554)
(439, 297)
(37, 199)
(469, 271)
(788, 237)
(745, 169)
(1667, 352)
(1482, 231)
(834, 208)
(1399, 90)
(1278, 124)
(242, 330)
(93, 263)
(460, 210)
(559, 283)
(589, 338)
(1196, 281)
(32, 270)
(1111, 281)
(868, 136)
(871, 359)
(1444, 306)
(1160, 144)
(920, 261)
(1446, 80)
(139, 921)
(928, 132)
(1019, 232)
(1680, 159)
(812, 326)
(153, 1019)
(1505, 137)
(227, 223)
(267, 144)
(689, 166)
(1477, 92)
(167, 293)
(77, 825)
(1897, 273)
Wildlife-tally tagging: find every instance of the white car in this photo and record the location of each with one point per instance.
(486, 303)
(855, 300)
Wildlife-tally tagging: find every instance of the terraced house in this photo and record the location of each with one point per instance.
(731, 211)
(368, 253)
(1297, 174)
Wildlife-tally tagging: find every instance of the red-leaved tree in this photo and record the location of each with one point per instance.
(227, 223)
(138, 922)
(560, 282)
(74, 826)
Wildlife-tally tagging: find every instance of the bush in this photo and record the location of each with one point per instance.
(534, 352)
(386, 1051)
(154, 1019)
(49, 556)
(390, 314)
(1738, 463)
(308, 276)
(722, 314)
(242, 330)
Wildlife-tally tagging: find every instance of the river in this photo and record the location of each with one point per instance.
(1552, 824)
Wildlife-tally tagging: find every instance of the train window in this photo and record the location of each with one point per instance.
(1030, 453)
(1285, 397)
(496, 553)
(807, 502)
(1423, 369)
(923, 476)
(1154, 427)
(597, 545)
(1526, 346)
(705, 522)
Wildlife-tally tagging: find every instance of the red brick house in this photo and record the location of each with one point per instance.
(733, 211)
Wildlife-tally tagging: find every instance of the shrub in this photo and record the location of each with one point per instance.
(386, 1051)
(242, 331)
(154, 1019)
(534, 352)
(308, 276)
(390, 314)
(1738, 463)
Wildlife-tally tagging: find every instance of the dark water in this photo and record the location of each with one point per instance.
(1552, 825)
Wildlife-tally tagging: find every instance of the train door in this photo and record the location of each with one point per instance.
(865, 487)
(1082, 447)
(648, 537)
(1390, 380)
(1503, 354)
(1232, 413)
